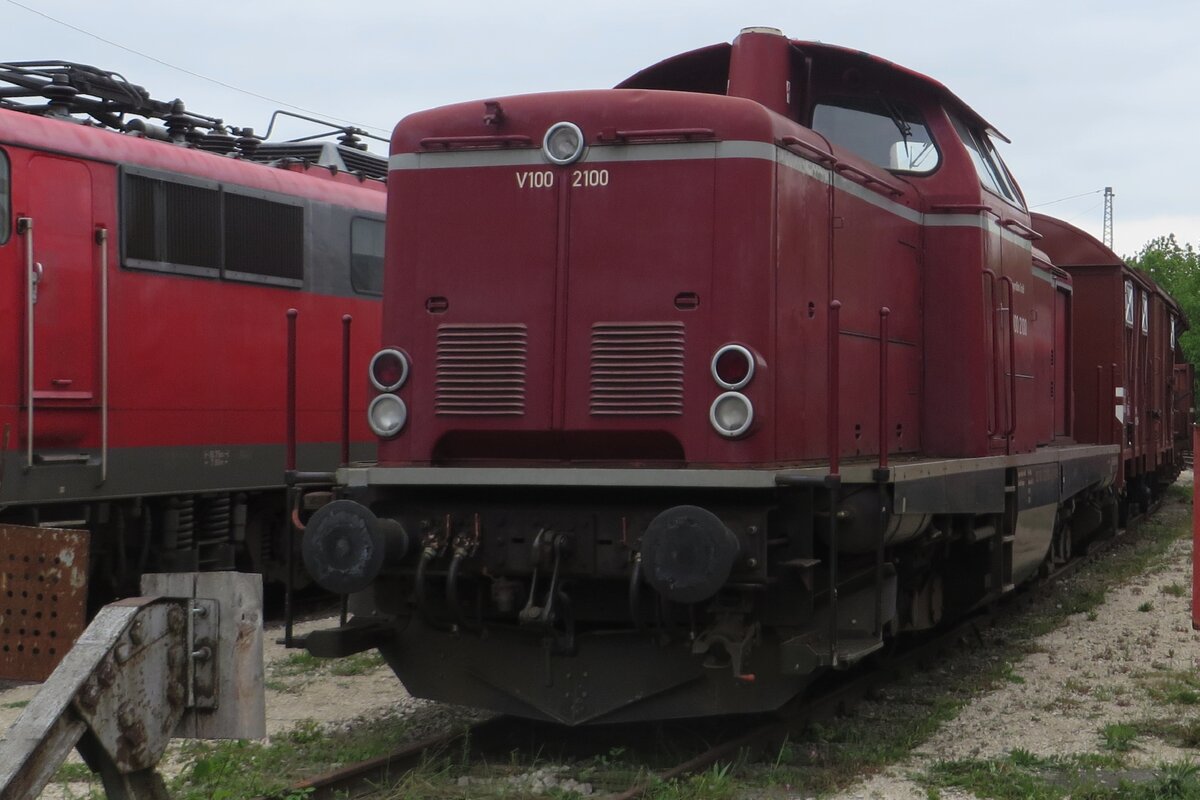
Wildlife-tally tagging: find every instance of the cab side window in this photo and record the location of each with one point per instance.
(366, 255)
(5, 198)
(991, 170)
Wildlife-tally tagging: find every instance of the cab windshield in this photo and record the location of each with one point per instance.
(889, 134)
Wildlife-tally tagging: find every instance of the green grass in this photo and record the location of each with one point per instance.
(237, 769)
(17, 704)
(1146, 607)
(1174, 590)
(1021, 776)
(1172, 687)
(74, 773)
(303, 664)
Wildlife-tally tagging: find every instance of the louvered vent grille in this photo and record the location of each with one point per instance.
(481, 370)
(637, 369)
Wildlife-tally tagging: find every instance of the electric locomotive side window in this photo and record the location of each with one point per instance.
(5, 198)
(889, 134)
(366, 255)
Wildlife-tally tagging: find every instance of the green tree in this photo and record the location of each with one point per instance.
(1176, 268)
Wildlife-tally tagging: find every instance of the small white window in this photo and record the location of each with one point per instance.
(1172, 331)
(1129, 303)
(1145, 313)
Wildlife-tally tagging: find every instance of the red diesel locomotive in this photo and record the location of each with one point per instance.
(694, 387)
(151, 254)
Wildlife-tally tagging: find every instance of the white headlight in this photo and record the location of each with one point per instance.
(563, 143)
(386, 415)
(731, 414)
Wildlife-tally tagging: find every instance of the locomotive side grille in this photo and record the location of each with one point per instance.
(480, 370)
(637, 369)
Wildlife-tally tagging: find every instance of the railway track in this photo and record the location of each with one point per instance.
(833, 696)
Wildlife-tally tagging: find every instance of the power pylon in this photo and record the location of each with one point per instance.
(1108, 236)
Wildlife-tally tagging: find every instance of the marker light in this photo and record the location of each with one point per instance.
(732, 366)
(731, 414)
(389, 370)
(563, 143)
(386, 415)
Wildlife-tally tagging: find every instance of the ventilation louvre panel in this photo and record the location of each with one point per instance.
(637, 369)
(480, 370)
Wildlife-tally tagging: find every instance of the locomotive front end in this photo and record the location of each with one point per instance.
(575, 382)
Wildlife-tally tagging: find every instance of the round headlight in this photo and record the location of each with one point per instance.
(563, 143)
(386, 415)
(389, 370)
(732, 366)
(731, 414)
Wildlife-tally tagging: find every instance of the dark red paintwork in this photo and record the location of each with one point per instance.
(1124, 373)
(561, 322)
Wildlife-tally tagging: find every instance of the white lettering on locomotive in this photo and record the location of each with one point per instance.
(589, 177)
(1020, 325)
(535, 179)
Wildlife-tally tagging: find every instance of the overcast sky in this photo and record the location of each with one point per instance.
(1092, 94)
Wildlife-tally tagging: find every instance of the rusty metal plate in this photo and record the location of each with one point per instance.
(43, 598)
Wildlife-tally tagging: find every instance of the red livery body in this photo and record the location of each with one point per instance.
(696, 386)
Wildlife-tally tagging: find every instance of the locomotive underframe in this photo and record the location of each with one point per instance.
(536, 573)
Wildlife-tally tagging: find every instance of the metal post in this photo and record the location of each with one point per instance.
(346, 320)
(1195, 535)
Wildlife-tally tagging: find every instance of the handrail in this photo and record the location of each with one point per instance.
(867, 178)
(1020, 229)
(494, 140)
(883, 386)
(102, 243)
(961, 208)
(1011, 430)
(666, 133)
(25, 228)
(993, 422)
(346, 320)
(811, 151)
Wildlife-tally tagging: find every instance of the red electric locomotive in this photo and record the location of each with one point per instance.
(692, 388)
(151, 255)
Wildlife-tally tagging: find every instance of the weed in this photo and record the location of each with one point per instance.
(17, 704)
(1175, 589)
(1119, 737)
(1146, 606)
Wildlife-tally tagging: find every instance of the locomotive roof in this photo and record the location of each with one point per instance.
(71, 138)
(96, 99)
(707, 69)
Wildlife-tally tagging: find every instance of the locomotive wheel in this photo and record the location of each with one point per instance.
(1062, 546)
